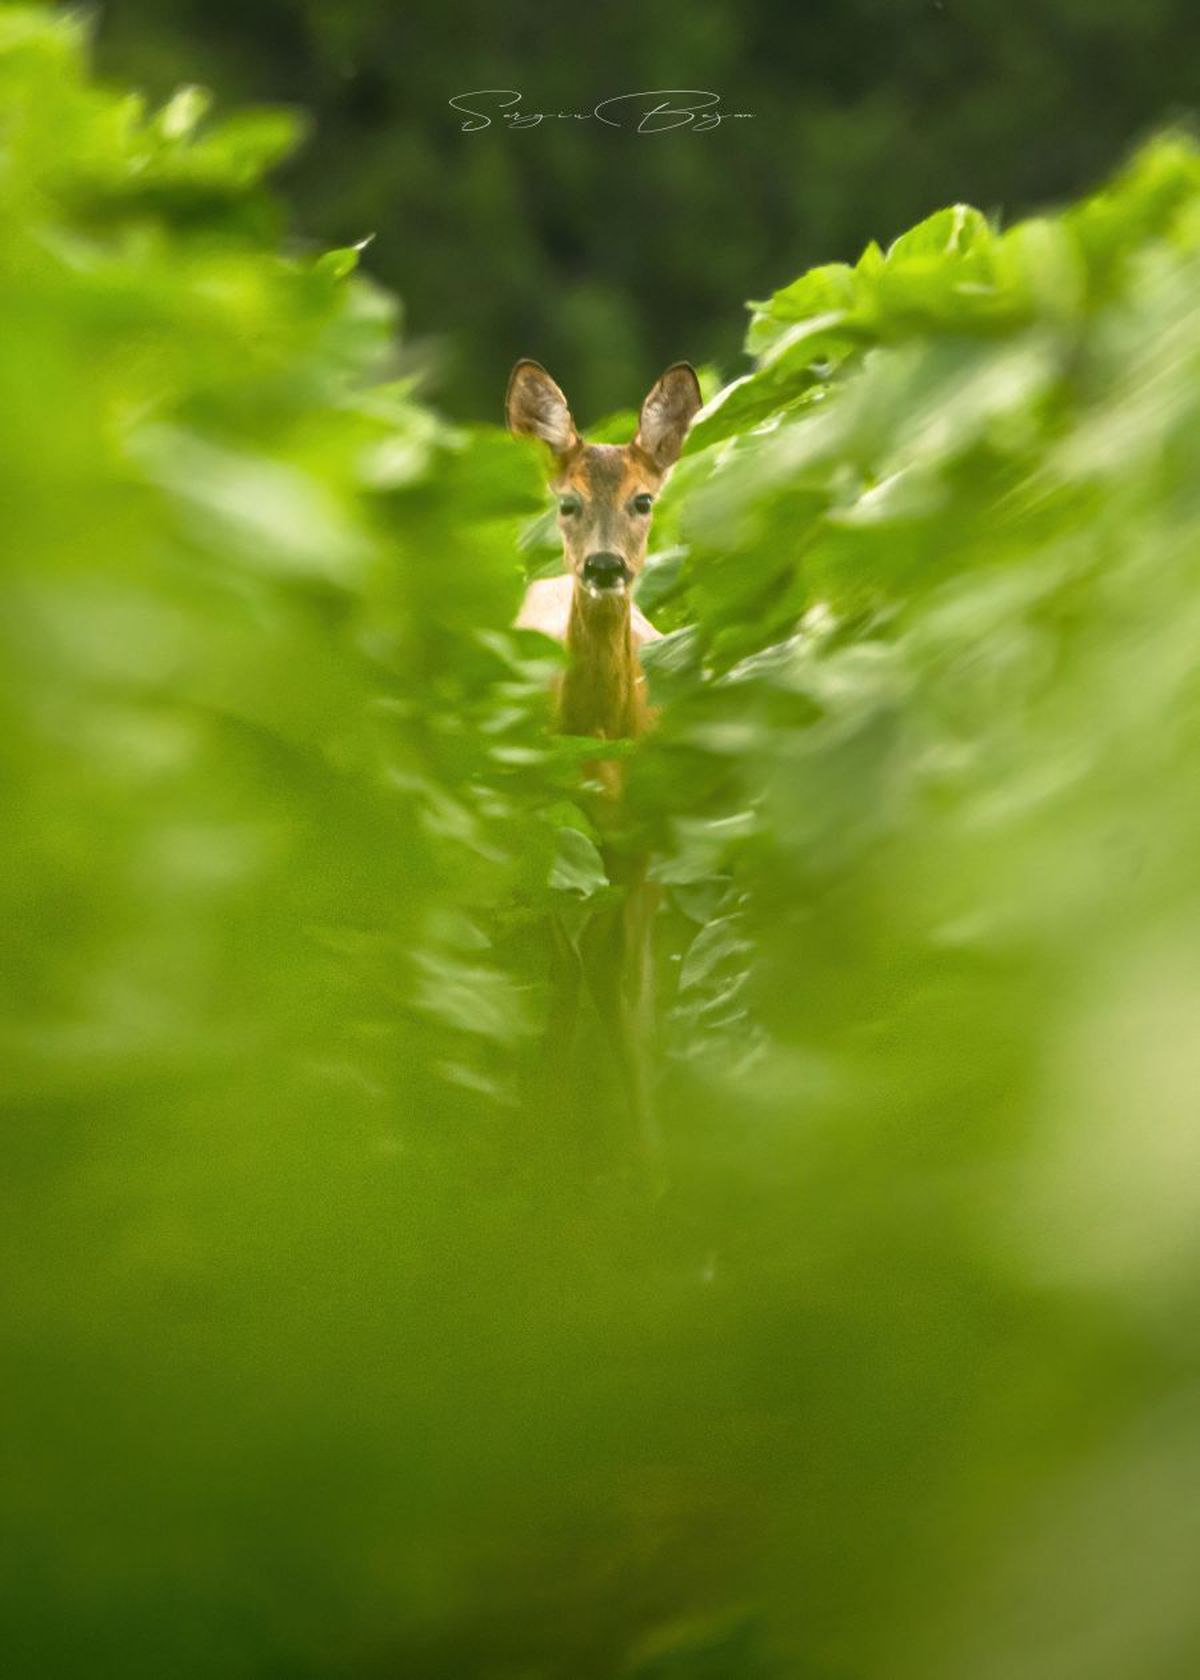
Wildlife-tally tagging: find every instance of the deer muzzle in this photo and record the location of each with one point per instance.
(605, 574)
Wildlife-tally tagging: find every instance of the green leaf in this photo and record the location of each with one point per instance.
(183, 112)
(339, 263)
(578, 866)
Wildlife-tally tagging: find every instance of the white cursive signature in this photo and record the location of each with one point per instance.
(646, 113)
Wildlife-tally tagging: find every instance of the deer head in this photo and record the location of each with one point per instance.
(605, 491)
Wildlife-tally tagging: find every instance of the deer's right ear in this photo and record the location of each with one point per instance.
(535, 407)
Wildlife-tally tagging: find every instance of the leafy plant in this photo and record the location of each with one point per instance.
(333, 1351)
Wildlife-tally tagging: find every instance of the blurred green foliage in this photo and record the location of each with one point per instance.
(328, 1351)
(605, 253)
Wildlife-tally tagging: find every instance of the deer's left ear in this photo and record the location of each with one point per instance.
(667, 412)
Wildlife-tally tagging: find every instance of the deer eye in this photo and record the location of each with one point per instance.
(568, 505)
(643, 503)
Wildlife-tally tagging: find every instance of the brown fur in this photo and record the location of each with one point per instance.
(598, 486)
(603, 692)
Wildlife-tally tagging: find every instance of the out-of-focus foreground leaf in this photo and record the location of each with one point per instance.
(330, 1349)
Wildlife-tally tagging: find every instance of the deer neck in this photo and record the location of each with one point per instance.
(603, 688)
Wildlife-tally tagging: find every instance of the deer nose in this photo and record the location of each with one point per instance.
(605, 571)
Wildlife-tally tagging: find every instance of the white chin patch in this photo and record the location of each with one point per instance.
(614, 593)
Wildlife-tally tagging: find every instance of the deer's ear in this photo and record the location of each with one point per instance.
(667, 412)
(535, 407)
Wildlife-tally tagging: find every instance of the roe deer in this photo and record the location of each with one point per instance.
(605, 500)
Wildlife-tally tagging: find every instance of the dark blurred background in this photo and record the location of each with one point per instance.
(606, 253)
